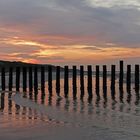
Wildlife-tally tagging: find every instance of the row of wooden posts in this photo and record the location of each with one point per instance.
(33, 74)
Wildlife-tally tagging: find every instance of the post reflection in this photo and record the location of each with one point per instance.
(129, 96)
(104, 97)
(67, 104)
(50, 100)
(2, 101)
(137, 97)
(97, 101)
(121, 94)
(82, 106)
(43, 98)
(58, 101)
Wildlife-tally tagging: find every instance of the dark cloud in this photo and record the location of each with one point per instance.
(73, 19)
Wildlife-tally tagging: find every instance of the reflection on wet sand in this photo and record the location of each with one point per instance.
(99, 101)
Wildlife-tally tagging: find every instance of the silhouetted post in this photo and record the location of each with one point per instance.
(104, 77)
(121, 75)
(128, 77)
(42, 79)
(58, 80)
(10, 78)
(66, 80)
(90, 81)
(50, 79)
(36, 80)
(137, 77)
(113, 75)
(97, 80)
(74, 81)
(17, 78)
(82, 80)
(30, 79)
(3, 78)
(24, 79)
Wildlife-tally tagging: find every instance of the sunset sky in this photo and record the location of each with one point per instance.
(70, 31)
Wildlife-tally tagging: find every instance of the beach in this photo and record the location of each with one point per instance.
(29, 116)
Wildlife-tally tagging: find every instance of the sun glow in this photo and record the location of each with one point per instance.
(21, 42)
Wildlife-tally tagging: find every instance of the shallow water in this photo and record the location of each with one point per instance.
(39, 117)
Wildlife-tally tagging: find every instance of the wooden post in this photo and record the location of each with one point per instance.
(90, 81)
(42, 79)
(121, 75)
(17, 78)
(10, 78)
(104, 77)
(36, 80)
(58, 80)
(97, 80)
(82, 80)
(50, 79)
(30, 80)
(128, 78)
(24, 79)
(74, 81)
(3, 78)
(66, 80)
(137, 77)
(113, 76)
